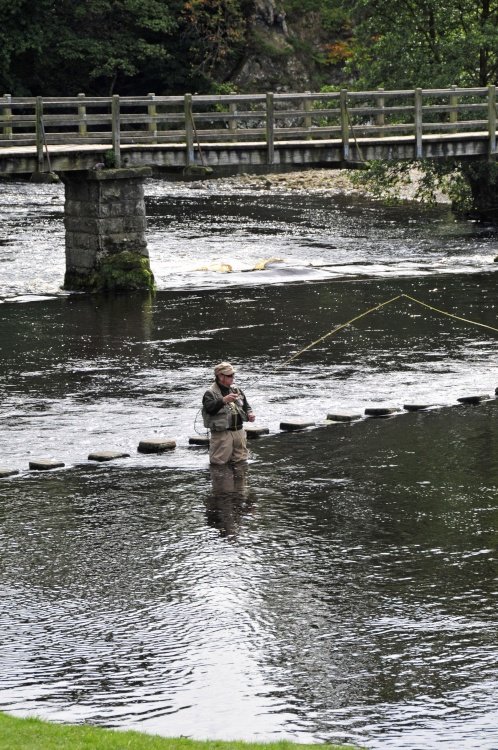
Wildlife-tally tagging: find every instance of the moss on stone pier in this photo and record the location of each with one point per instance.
(125, 271)
(121, 272)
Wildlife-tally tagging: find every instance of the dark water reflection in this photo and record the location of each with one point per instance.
(343, 587)
(348, 591)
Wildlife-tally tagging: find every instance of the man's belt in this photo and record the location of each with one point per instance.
(234, 429)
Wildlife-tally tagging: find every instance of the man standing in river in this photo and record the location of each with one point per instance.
(224, 410)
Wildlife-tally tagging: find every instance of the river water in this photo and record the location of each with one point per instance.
(345, 586)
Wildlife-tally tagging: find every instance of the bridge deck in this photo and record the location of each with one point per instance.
(284, 153)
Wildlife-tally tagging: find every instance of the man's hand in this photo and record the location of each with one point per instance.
(251, 416)
(230, 398)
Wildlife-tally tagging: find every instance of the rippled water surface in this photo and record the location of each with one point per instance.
(345, 586)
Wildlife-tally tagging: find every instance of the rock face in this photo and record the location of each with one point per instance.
(278, 56)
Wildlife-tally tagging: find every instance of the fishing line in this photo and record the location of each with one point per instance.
(450, 315)
(205, 432)
(378, 307)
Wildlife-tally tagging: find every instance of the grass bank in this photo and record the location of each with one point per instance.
(33, 734)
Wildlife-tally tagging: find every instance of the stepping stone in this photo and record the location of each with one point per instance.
(199, 440)
(296, 424)
(343, 416)
(156, 445)
(45, 464)
(255, 432)
(380, 411)
(473, 399)
(4, 472)
(107, 455)
(417, 407)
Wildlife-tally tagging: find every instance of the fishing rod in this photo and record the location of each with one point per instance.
(338, 328)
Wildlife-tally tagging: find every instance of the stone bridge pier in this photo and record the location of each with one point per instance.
(104, 217)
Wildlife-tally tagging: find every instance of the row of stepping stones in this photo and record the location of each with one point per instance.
(161, 445)
(293, 425)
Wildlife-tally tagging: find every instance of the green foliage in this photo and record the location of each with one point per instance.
(102, 47)
(224, 88)
(472, 186)
(214, 31)
(110, 160)
(22, 40)
(383, 180)
(435, 43)
(334, 15)
(95, 46)
(33, 734)
(266, 46)
(480, 200)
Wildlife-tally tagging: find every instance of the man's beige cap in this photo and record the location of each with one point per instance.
(224, 368)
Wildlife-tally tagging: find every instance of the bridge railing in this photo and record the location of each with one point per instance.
(188, 122)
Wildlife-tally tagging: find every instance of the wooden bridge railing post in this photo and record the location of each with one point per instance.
(189, 130)
(82, 128)
(344, 124)
(308, 122)
(380, 118)
(270, 128)
(232, 123)
(152, 113)
(492, 122)
(116, 130)
(418, 123)
(6, 116)
(454, 111)
(39, 133)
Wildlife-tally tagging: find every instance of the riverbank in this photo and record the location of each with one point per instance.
(325, 181)
(33, 734)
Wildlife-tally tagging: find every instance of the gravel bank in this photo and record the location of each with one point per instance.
(331, 181)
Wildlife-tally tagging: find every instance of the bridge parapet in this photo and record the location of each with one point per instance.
(268, 121)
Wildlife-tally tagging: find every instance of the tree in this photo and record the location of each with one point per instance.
(101, 47)
(428, 43)
(111, 43)
(214, 32)
(61, 47)
(22, 41)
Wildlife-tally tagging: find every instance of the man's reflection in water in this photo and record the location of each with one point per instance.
(229, 498)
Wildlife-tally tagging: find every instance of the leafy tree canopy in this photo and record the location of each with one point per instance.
(62, 47)
(429, 43)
